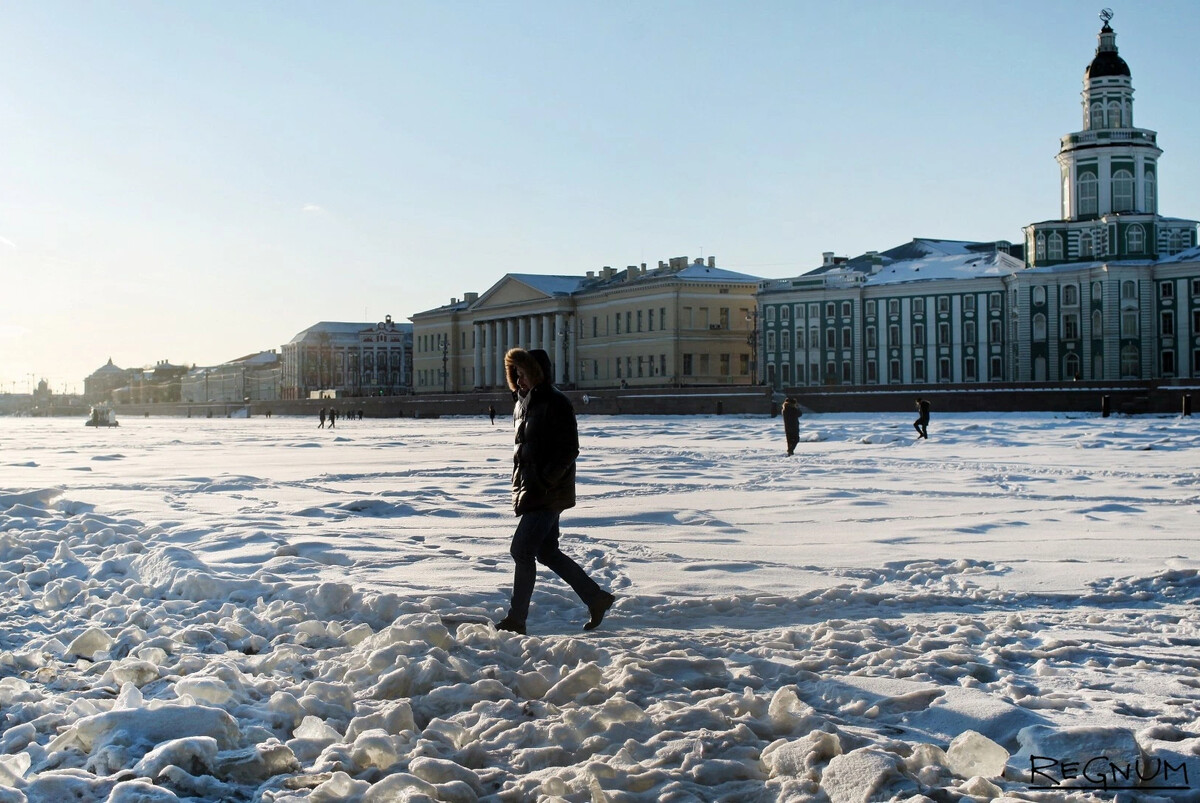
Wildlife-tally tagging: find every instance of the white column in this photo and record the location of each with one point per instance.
(558, 347)
(573, 360)
(477, 339)
(488, 346)
(535, 331)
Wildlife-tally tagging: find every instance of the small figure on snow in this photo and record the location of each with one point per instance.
(492, 413)
(791, 424)
(322, 426)
(921, 425)
(543, 483)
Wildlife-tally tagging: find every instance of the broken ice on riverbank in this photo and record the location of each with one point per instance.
(257, 610)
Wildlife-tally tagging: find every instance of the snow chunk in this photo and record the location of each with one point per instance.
(971, 753)
(196, 755)
(152, 725)
(788, 713)
(856, 777)
(798, 757)
(88, 643)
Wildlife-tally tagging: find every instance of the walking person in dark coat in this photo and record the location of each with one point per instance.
(322, 426)
(791, 424)
(921, 425)
(492, 413)
(543, 483)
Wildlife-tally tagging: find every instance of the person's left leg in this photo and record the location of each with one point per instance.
(532, 530)
(597, 600)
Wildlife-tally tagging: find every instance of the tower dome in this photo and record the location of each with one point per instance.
(1106, 63)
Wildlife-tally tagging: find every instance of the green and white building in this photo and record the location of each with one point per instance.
(1109, 292)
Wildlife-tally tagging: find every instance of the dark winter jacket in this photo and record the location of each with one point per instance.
(791, 419)
(547, 437)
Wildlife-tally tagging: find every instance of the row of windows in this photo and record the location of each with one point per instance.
(1114, 115)
(845, 341)
(1121, 189)
(842, 372)
(870, 307)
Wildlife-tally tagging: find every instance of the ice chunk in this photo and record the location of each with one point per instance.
(579, 681)
(205, 689)
(316, 728)
(375, 748)
(140, 792)
(394, 716)
(195, 755)
(401, 786)
(13, 769)
(254, 765)
(1045, 750)
(856, 777)
(88, 643)
(157, 725)
(338, 789)
(797, 757)
(788, 713)
(441, 771)
(971, 753)
(134, 670)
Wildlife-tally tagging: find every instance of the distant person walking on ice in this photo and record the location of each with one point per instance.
(322, 419)
(492, 413)
(921, 425)
(791, 424)
(543, 485)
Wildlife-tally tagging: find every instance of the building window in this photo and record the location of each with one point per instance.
(869, 335)
(641, 366)
(785, 374)
(1135, 240)
(830, 309)
(1166, 290)
(969, 369)
(893, 306)
(743, 363)
(1196, 321)
(1150, 202)
(918, 334)
(830, 372)
(1038, 296)
(1196, 287)
(639, 320)
(617, 323)
(943, 333)
(968, 303)
(996, 370)
(969, 331)
(1070, 295)
(995, 331)
(723, 316)
(1122, 191)
(1128, 291)
(687, 365)
(845, 309)
(770, 341)
(846, 337)
(1129, 324)
(1039, 327)
(1040, 248)
(1071, 366)
(894, 374)
(993, 301)
(1167, 323)
(870, 308)
(799, 339)
(650, 320)
(1097, 291)
(1168, 363)
(1097, 324)
(1088, 195)
(944, 369)
(814, 310)
(1130, 364)
(872, 371)
(662, 317)
(1097, 118)
(629, 321)
(894, 335)
(918, 306)
(1086, 247)
(725, 364)
(1054, 251)
(785, 341)
(1070, 326)
(785, 313)
(918, 370)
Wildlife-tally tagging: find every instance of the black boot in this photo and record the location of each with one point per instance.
(511, 625)
(597, 609)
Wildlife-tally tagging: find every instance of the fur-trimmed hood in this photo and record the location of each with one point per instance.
(534, 363)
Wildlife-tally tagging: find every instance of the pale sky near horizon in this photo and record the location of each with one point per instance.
(194, 182)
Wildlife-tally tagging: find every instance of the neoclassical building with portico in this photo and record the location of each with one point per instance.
(682, 323)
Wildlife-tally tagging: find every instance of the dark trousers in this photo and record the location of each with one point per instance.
(536, 539)
(920, 426)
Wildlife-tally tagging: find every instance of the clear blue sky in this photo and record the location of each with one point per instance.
(196, 181)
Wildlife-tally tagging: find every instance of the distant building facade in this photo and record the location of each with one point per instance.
(350, 359)
(682, 323)
(99, 386)
(254, 378)
(1109, 292)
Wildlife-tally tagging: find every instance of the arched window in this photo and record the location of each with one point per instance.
(785, 313)
(785, 338)
(1097, 291)
(1039, 327)
(1071, 366)
(1055, 249)
(1128, 290)
(1039, 295)
(1135, 240)
(1097, 120)
(1041, 246)
(1114, 114)
(1086, 248)
(1130, 364)
(1122, 191)
(770, 313)
(1097, 324)
(1149, 193)
(1070, 295)
(1088, 194)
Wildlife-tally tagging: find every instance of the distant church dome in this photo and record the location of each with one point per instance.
(1107, 62)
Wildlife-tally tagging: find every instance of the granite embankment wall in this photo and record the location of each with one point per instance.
(1128, 398)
